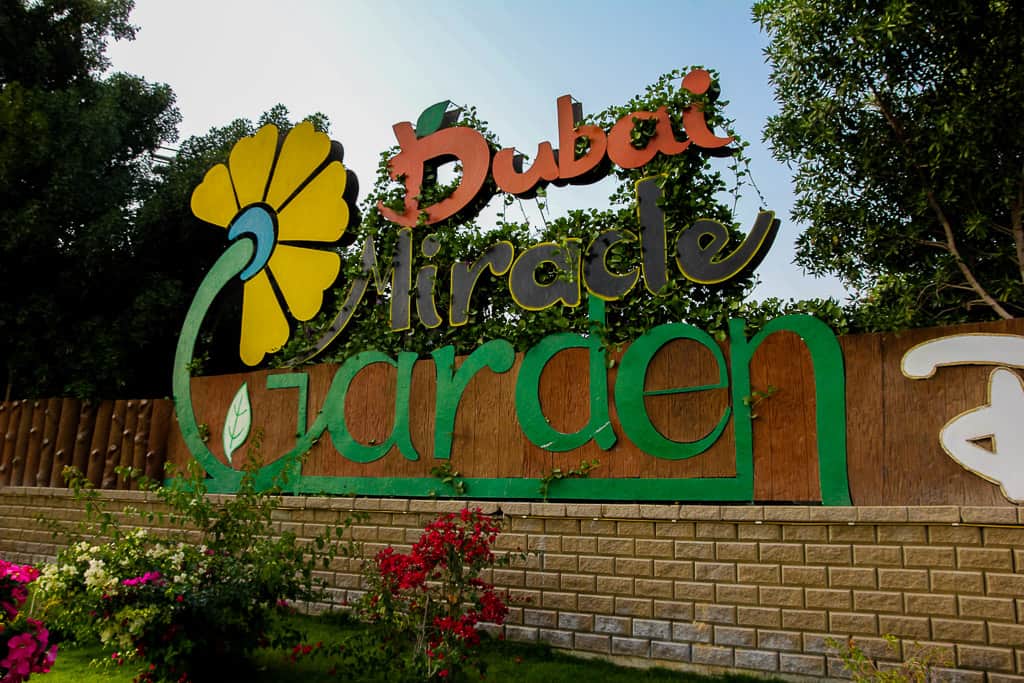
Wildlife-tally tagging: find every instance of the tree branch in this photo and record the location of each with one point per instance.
(940, 215)
(1016, 214)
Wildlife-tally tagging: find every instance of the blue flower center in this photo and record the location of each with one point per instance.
(256, 222)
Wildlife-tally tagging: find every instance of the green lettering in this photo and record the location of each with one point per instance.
(630, 394)
(497, 354)
(334, 408)
(829, 392)
(531, 416)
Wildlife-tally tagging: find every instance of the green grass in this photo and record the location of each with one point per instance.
(505, 661)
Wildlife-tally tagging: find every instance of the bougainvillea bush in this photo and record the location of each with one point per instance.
(195, 600)
(422, 610)
(24, 642)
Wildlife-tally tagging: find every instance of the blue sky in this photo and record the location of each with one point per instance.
(369, 64)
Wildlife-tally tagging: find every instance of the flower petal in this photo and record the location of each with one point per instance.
(250, 162)
(319, 213)
(304, 149)
(303, 275)
(214, 200)
(264, 327)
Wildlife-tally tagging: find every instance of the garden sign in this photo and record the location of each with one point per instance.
(676, 416)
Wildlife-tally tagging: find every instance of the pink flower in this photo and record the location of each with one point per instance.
(20, 650)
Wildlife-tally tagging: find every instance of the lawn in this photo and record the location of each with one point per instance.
(505, 661)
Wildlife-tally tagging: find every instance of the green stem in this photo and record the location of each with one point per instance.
(227, 267)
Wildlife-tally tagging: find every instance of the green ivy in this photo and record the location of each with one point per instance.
(692, 188)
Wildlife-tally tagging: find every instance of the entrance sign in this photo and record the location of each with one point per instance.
(677, 415)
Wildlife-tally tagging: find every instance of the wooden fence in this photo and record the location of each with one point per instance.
(42, 437)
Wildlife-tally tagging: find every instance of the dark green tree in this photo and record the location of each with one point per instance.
(100, 254)
(902, 122)
(75, 164)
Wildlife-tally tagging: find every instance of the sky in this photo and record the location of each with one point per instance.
(368, 64)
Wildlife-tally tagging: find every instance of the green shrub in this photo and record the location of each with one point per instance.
(863, 669)
(190, 601)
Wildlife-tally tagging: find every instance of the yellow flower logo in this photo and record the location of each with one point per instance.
(285, 199)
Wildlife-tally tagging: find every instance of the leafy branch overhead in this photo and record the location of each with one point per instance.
(902, 122)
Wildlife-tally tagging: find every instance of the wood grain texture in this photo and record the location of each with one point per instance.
(67, 432)
(10, 438)
(98, 444)
(140, 442)
(126, 455)
(893, 423)
(21, 441)
(44, 468)
(35, 443)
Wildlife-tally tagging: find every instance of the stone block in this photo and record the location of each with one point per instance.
(554, 638)
(575, 621)
(789, 641)
(758, 573)
(630, 566)
(988, 559)
(827, 553)
(633, 607)
(710, 654)
(714, 571)
(930, 557)
(694, 632)
(788, 553)
(841, 623)
(990, 609)
(673, 569)
(673, 610)
(985, 658)
(805, 665)
(958, 630)
(652, 629)
(758, 616)
(877, 601)
(805, 620)
(676, 652)
(760, 660)
(592, 642)
(638, 647)
(612, 625)
(778, 596)
(908, 627)
(903, 579)
(734, 636)
(715, 614)
(694, 550)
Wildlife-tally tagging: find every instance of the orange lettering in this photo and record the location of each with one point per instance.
(590, 163)
(507, 170)
(458, 143)
(620, 145)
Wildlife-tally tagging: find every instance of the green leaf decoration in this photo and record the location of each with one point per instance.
(431, 119)
(238, 421)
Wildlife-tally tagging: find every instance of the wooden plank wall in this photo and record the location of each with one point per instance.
(894, 457)
(39, 438)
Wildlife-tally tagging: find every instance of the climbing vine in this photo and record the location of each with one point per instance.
(692, 185)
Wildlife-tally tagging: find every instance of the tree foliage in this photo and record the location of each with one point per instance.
(75, 164)
(902, 122)
(100, 252)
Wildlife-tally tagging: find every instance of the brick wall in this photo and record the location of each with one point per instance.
(703, 587)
